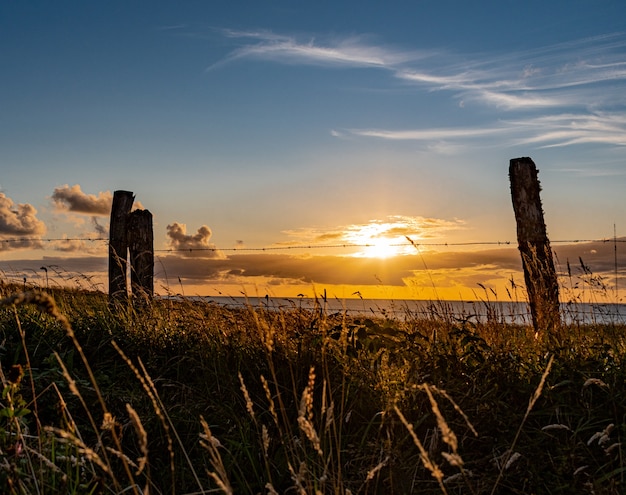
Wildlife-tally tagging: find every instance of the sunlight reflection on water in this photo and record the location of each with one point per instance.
(504, 312)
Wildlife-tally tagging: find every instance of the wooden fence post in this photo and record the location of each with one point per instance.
(140, 244)
(118, 244)
(539, 273)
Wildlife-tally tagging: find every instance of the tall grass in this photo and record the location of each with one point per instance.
(186, 397)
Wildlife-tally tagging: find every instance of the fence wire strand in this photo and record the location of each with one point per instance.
(310, 246)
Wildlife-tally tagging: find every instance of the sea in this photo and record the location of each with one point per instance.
(477, 311)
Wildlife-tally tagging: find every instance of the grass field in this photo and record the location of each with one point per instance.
(186, 397)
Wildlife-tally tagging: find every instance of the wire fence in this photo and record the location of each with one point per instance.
(511, 312)
(310, 246)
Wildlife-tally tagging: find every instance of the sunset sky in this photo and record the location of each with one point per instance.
(244, 125)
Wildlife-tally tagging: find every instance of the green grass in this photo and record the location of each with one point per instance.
(186, 397)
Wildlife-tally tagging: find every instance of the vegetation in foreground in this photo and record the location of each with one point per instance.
(187, 397)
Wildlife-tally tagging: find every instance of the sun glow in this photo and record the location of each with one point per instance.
(395, 235)
(381, 248)
(379, 240)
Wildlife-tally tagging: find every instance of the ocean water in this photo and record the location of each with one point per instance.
(505, 312)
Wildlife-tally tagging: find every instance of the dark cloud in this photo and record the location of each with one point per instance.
(468, 268)
(19, 221)
(337, 269)
(13, 244)
(197, 245)
(80, 245)
(100, 229)
(445, 269)
(73, 199)
(598, 255)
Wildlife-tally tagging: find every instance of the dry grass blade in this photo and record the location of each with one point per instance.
(141, 435)
(211, 444)
(426, 460)
(305, 414)
(246, 395)
(531, 404)
(447, 434)
(445, 394)
(88, 452)
(148, 387)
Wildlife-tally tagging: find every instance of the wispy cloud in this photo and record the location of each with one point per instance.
(335, 52)
(592, 172)
(546, 131)
(552, 76)
(567, 129)
(580, 82)
(428, 134)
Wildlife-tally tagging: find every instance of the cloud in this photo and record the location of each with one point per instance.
(84, 245)
(546, 131)
(381, 238)
(591, 172)
(73, 199)
(429, 134)
(450, 271)
(19, 221)
(345, 270)
(337, 52)
(392, 227)
(517, 100)
(26, 243)
(582, 77)
(196, 245)
(530, 79)
(567, 129)
(100, 229)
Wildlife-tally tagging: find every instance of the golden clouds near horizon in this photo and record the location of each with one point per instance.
(396, 235)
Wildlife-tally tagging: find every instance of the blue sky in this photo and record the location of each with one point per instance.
(260, 124)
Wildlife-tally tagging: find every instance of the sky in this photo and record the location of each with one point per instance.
(260, 134)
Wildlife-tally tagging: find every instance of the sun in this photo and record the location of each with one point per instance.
(382, 247)
(378, 240)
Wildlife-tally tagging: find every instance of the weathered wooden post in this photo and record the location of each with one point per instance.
(118, 244)
(130, 246)
(140, 244)
(539, 273)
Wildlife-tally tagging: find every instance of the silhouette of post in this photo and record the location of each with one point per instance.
(539, 273)
(140, 244)
(118, 244)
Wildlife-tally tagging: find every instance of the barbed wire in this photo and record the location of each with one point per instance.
(330, 246)
(52, 239)
(312, 246)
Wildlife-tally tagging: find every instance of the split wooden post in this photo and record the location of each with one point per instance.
(118, 244)
(539, 273)
(140, 244)
(130, 250)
